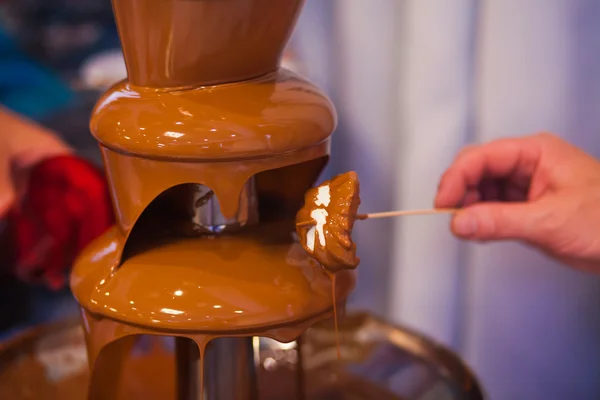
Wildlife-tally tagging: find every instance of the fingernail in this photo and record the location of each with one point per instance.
(465, 224)
(5, 204)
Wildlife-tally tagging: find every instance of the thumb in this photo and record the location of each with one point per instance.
(498, 221)
(7, 189)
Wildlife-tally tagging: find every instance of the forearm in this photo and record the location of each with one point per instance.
(26, 139)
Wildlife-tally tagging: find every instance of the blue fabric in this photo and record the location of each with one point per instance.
(46, 307)
(26, 87)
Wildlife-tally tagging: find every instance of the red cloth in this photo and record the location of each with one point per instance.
(67, 205)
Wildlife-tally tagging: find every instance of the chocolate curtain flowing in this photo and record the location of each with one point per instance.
(416, 80)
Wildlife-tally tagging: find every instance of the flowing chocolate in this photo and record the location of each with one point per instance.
(325, 222)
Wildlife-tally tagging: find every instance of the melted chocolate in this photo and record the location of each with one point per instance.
(325, 223)
(256, 279)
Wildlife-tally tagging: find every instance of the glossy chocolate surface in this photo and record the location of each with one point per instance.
(258, 278)
(272, 114)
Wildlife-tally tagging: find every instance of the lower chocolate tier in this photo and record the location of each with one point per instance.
(255, 279)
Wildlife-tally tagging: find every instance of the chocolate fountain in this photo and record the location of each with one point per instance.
(202, 289)
(209, 147)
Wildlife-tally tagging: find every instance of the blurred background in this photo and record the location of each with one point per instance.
(414, 81)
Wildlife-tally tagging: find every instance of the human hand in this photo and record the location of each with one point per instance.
(23, 144)
(537, 189)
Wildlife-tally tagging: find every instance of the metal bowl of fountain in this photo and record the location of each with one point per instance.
(378, 361)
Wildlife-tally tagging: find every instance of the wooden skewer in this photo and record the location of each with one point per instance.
(401, 213)
(388, 214)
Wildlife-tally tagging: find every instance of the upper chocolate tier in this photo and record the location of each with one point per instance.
(183, 43)
(272, 115)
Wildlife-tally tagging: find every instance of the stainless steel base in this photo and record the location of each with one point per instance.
(228, 370)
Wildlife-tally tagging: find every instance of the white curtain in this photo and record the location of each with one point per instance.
(414, 80)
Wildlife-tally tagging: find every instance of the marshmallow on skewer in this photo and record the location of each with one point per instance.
(325, 223)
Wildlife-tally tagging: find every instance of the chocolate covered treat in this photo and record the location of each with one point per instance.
(325, 223)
